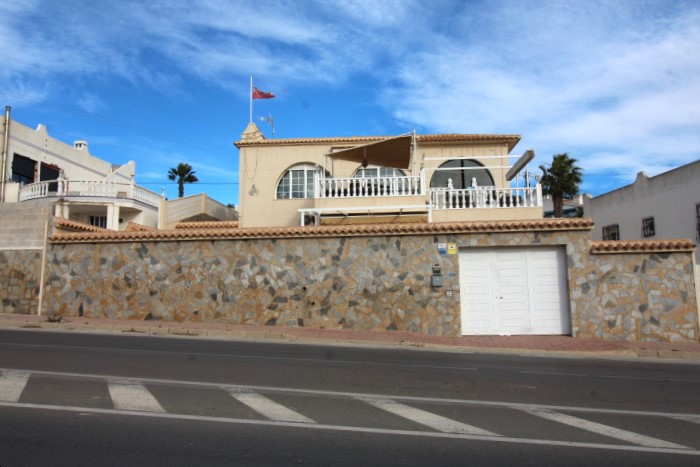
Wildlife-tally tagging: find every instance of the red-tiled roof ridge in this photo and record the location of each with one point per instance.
(430, 138)
(207, 225)
(134, 227)
(329, 231)
(647, 246)
(75, 226)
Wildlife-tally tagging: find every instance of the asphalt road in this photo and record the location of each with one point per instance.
(90, 399)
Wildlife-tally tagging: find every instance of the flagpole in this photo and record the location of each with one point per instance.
(250, 96)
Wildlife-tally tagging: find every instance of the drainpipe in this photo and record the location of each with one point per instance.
(6, 142)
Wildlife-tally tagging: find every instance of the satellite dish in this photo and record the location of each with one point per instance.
(520, 164)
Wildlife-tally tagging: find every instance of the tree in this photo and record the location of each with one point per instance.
(183, 173)
(561, 180)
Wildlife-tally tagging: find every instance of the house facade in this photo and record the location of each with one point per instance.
(360, 180)
(652, 208)
(81, 187)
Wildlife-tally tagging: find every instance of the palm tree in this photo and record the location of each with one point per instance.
(183, 173)
(561, 180)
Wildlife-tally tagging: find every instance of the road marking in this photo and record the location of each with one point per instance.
(12, 384)
(605, 430)
(351, 429)
(688, 418)
(324, 393)
(132, 395)
(436, 422)
(267, 407)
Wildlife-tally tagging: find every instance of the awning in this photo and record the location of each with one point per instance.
(391, 152)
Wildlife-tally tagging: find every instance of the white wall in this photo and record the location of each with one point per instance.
(670, 198)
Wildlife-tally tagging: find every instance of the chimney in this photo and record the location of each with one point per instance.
(82, 145)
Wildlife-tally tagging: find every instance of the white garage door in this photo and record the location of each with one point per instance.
(510, 291)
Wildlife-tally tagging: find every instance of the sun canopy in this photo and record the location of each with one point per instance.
(391, 152)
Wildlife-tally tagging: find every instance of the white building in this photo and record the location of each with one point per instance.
(661, 207)
(82, 187)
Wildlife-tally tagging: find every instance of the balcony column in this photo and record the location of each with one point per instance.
(112, 217)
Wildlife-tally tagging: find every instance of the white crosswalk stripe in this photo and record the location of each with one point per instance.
(132, 395)
(267, 407)
(605, 430)
(436, 422)
(12, 384)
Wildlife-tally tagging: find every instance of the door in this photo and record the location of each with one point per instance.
(512, 291)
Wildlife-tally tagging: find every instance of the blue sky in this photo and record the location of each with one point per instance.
(616, 84)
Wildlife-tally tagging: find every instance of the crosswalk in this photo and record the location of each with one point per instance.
(403, 415)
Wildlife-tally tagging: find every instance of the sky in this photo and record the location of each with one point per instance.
(616, 84)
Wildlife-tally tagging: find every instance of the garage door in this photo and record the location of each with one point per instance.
(510, 291)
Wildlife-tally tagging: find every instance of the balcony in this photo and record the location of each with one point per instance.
(89, 189)
(353, 199)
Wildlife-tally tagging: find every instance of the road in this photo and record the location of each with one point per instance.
(91, 399)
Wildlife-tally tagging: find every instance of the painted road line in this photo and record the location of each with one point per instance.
(436, 422)
(12, 384)
(605, 430)
(688, 418)
(267, 407)
(132, 395)
(351, 429)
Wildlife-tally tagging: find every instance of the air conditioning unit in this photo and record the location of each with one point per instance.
(309, 219)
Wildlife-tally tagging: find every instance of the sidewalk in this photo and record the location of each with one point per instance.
(548, 345)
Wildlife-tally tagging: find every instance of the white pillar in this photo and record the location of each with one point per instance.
(112, 217)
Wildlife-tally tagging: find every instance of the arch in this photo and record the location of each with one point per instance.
(461, 178)
(298, 181)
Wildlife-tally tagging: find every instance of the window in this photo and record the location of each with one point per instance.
(461, 176)
(375, 172)
(23, 169)
(298, 182)
(99, 221)
(611, 232)
(648, 227)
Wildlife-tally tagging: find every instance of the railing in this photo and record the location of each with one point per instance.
(89, 188)
(486, 197)
(366, 187)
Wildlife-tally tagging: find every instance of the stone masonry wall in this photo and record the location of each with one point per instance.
(363, 282)
(19, 281)
(636, 297)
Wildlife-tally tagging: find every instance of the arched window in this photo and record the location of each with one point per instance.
(375, 172)
(298, 182)
(461, 178)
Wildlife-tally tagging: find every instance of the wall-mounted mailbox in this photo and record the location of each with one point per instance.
(437, 278)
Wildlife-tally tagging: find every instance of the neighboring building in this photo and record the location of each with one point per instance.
(652, 208)
(82, 187)
(572, 207)
(408, 178)
(85, 189)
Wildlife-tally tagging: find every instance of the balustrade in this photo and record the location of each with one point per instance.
(368, 187)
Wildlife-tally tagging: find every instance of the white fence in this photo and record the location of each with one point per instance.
(89, 188)
(366, 187)
(486, 197)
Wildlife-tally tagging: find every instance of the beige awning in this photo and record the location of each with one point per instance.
(391, 152)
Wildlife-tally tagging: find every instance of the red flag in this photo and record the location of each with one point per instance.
(258, 94)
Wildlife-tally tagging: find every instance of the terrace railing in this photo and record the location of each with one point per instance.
(486, 197)
(369, 187)
(89, 188)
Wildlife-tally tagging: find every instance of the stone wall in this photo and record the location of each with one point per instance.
(636, 297)
(19, 281)
(377, 281)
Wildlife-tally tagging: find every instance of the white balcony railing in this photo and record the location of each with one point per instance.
(486, 197)
(89, 188)
(369, 187)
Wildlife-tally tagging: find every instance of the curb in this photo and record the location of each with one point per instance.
(308, 336)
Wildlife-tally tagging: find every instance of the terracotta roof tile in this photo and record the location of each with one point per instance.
(432, 138)
(207, 225)
(646, 246)
(74, 226)
(133, 227)
(326, 231)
